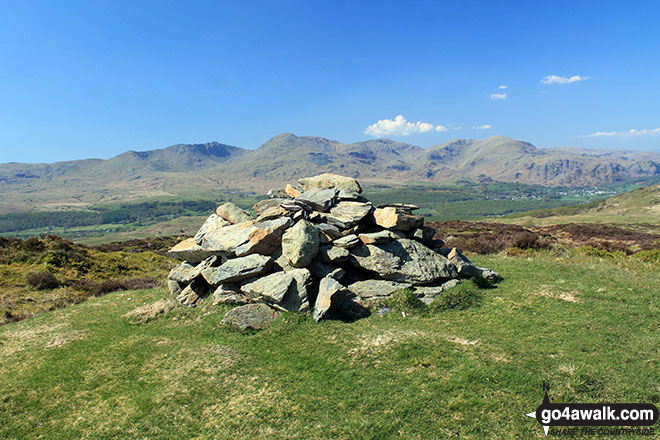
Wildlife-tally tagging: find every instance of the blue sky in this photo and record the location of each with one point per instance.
(96, 78)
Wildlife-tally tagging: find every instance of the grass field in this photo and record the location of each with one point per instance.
(585, 324)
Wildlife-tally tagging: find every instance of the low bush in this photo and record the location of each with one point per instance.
(461, 297)
(42, 280)
(405, 300)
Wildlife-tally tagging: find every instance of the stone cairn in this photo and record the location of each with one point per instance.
(319, 244)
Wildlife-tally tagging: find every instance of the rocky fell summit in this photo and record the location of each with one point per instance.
(319, 247)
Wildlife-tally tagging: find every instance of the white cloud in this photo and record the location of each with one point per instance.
(555, 79)
(400, 126)
(502, 87)
(497, 96)
(629, 133)
(483, 127)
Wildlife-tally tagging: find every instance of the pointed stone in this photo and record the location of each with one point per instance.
(213, 223)
(329, 289)
(233, 213)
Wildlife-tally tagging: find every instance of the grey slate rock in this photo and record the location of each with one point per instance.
(232, 213)
(320, 199)
(403, 260)
(229, 293)
(347, 242)
(332, 254)
(300, 243)
(251, 317)
(237, 269)
(376, 288)
(329, 291)
(272, 287)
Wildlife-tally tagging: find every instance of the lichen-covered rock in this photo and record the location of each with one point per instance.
(263, 205)
(300, 243)
(468, 270)
(296, 298)
(237, 269)
(233, 213)
(403, 260)
(175, 287)
(379, 237)
(423, 235)
(251, 317)
(331, 181)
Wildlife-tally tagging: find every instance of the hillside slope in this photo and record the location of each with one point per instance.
(468, 374)
(637, 207)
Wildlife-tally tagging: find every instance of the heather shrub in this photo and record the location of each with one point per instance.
(42, 280)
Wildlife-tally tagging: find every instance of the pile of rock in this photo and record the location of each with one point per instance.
(320, 243)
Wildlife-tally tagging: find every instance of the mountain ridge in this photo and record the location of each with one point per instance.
(188, 168)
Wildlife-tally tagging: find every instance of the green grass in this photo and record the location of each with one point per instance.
(587, 325)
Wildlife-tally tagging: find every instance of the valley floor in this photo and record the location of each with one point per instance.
(586, 325)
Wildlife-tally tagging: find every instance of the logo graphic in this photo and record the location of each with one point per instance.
(593, 414)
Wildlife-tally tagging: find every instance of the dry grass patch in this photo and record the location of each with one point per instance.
(548, 292)
(149, 312)
(15, 341)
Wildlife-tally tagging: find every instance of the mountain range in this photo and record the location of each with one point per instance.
(182, 168)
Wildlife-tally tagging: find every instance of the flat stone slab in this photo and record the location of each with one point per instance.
(376, 288)
(351, 213)
(319, 199)
(237, 269)
(189, 251)
(328, 180)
